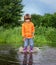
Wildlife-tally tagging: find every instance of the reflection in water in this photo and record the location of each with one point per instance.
(25, 59)
(8, 56)
(45, 56)
(30, 59)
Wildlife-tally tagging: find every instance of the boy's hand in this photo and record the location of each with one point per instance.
(33, 36)
(24, 39)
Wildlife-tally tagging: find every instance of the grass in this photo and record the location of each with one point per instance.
(43, 36)
(11, 36)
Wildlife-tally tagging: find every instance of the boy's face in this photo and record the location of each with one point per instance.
(28, 20)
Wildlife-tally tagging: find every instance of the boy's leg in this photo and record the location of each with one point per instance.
(31, 44)
(25, 44)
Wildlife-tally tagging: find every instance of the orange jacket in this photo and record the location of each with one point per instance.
(27, 29)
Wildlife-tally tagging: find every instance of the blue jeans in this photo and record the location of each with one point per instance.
(28, 41)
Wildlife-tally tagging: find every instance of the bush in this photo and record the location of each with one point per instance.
(40, 40)
(11, 36)
(45, 36)
(51, 36)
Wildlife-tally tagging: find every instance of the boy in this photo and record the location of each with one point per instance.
(28, 32)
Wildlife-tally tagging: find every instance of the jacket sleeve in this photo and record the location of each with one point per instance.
(33, 28)
(23, 31)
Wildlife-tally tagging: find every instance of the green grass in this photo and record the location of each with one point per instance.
(43, 36)
(11, 36)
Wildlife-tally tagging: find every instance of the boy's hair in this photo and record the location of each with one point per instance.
(27, 16)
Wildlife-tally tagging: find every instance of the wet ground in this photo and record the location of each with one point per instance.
(45, 56)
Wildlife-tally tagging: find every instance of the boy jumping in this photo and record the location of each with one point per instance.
(28, 32)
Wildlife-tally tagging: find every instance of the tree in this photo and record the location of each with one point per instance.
(46, 20)
(54, 20)
(49, 20)
(10, 12)
(36, 19)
